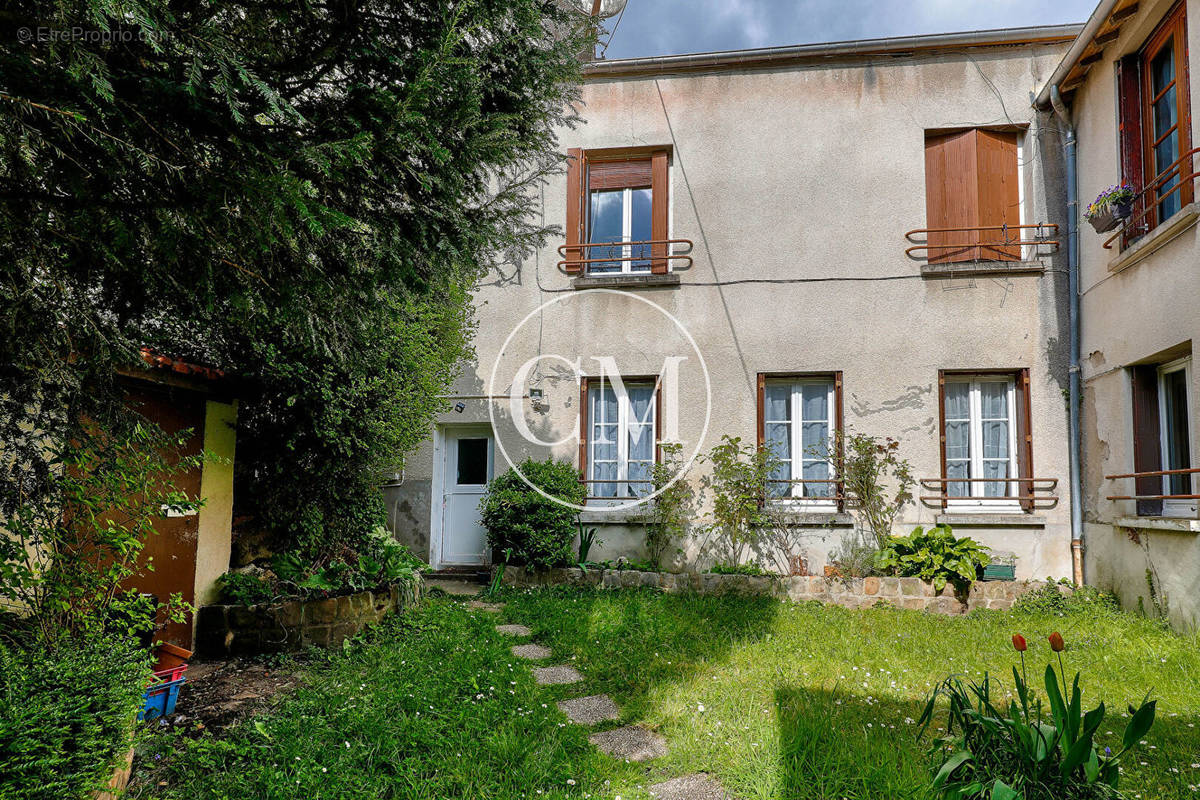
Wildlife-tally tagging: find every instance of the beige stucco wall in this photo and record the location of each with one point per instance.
(1132, 311)
(214, 533)
(808, 172)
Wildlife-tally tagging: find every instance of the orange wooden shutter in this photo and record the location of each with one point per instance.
(658, 212)
(1024, 440)
(951, 196)
(999, 196)
(1129, 113)
(583, 431)
(576, 167)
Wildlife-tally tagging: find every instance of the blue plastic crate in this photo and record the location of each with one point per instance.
(160, 699)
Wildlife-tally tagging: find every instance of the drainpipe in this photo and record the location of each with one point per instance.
(1069, 150)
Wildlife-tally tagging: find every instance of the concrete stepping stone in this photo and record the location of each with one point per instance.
(554, 676)
(633, 743)
(479, 605)
(590, 710)
(534, 652)
(697, 786)
(453, 586)
(514, 630)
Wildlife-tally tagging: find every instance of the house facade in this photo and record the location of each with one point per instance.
(1128, 89)
(777, 245)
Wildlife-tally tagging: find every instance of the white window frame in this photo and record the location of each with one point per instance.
(627, 266)
(796, 440)
(975, 439)
(1175, 508)
(624, 414)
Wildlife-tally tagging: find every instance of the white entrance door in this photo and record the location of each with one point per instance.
(467, 468)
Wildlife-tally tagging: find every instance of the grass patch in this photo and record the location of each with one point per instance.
(775, 700)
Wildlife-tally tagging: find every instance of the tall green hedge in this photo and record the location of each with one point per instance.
(538, 531)
(66, 716)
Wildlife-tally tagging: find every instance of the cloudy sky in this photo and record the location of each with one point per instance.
(661, 27)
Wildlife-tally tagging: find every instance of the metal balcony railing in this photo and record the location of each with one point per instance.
(581, 257)
(1032, 493)
(984, 243)
(1161, 473)
(1182, 172)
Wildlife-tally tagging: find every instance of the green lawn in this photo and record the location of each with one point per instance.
(775, 700)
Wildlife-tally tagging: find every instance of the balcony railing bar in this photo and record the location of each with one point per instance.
(1159, 473)
(1039, 489)
(1006, 241)
(680, 260)
(1155, 184)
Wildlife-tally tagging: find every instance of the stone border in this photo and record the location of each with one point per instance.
(911, 593)
(295, 624)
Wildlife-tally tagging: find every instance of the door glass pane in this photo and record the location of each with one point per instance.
(472, 462)
(605, 224)
(1165, 115)
(603, 461)
(640, 228)
(1176, 446)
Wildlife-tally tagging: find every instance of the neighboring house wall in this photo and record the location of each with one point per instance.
(1140, 308)
(796, 185)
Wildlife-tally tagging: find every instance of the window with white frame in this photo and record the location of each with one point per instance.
(621, 431)
(798, 417)
(621, 216)
(980, 440)
(1175, 437)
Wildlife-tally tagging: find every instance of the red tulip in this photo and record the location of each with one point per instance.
(1056, 642)
(1019, 643)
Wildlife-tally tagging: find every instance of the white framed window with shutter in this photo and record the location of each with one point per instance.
(980, 442)
(798, 417)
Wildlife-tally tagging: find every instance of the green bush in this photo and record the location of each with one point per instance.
(934, 556)
(66, 715)
(530, 528)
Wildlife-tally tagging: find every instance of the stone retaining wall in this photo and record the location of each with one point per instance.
(848, 592)
(292, 625)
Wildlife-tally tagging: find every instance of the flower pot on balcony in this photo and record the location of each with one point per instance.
(1111, 216)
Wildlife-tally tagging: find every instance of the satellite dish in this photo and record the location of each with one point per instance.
(602, 9)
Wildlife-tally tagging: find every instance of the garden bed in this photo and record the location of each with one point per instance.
(912, 593)
(292, 625)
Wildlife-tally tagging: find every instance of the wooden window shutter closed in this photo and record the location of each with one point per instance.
(970, 183)
(576, 197)
(942, 432)
(839, 440)
(1024, 440)
(1147, 450)
(583, 432)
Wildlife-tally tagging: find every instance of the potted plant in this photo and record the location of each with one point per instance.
(1110, 208)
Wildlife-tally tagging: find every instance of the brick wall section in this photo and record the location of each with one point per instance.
(911, 593)
(292, 625)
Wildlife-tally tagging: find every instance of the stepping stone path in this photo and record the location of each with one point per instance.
(632, 743)
(590, 710)
(534, 652)
(514, 630)
(690, 787)
(454, 587)
(555, 676)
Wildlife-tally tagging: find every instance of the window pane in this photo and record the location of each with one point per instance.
(995, 469)
(1164, 113)
(1176, 448)
(995, 439)
(958, 401)
(605, 473)
(640, 230)
(958, 440)
(777, 399)
(958, 469)
(605, 224)
(1162, 69)
(814, 402)
(472, 462)
(817, 471)
(993, 400)
(1165, 153)
(778, 438)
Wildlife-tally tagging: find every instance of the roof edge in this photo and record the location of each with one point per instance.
(778, 56)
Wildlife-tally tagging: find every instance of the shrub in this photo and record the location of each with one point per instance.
(856, 557)
(672, 509)
(1050, 599)
(739, 569)
(66, 715)
(988, 753)
(934, 556)
(532, 529)
(868, 464)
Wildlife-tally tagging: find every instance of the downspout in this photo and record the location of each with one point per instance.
(1069, 152)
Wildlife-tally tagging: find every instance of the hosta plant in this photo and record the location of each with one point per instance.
(934, 555)
(1031, 750)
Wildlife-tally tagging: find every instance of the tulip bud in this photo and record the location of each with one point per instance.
(1056, 642)
(1019, 643)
